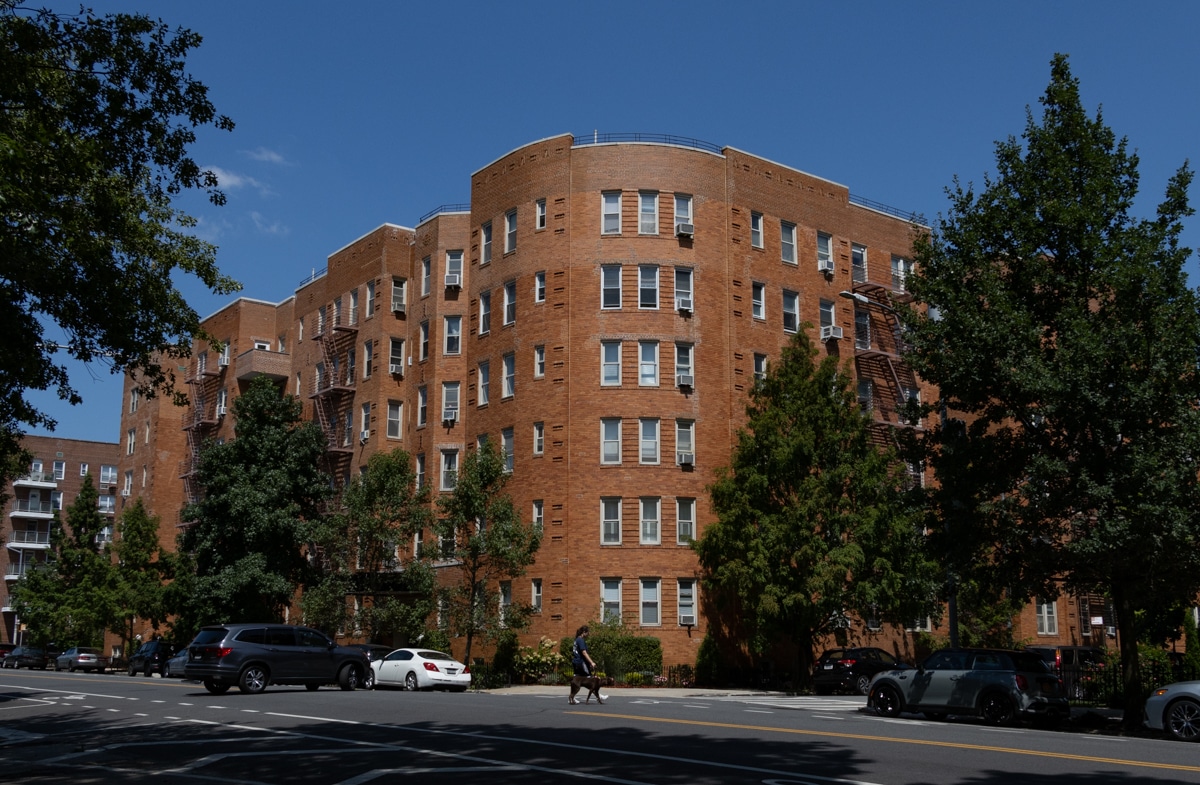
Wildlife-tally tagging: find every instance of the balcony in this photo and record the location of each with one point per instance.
(37, 539)
(262, 362)
(14, 572)
(36, 480)
(32, 509)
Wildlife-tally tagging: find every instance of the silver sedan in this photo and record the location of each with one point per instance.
(1175, 708)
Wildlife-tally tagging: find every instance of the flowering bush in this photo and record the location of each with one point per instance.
(660, 681)
(532, 663)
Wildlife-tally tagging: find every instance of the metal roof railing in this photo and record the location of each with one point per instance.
(680, 141)
(444, 208)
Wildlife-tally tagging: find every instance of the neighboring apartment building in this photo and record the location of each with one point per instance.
(599, 310)
(53, 481)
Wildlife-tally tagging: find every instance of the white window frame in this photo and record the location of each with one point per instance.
(108, 474)
(539, 215)
(650, 508)
(827, 313)
(683, 286)
(610, 285)
(650, 602)
(485, 313)
(130, 440)
(791, 311)
(454, 264)
(426, 272)
(510, 375)
(450, 397)
(127, 487)
(538, 516)
(423, 333)
(610, 212)
(610, 363)
(824, 248)
(452, 338)
(758, 300)
(649, 441)
(610, 600)
(648, 375)
(610, 520)
(535, 594)
(683, 210)
(647, 212)
(539, 286)
(684, 353)
(901, 269)
(508, 448)
(685, 520)
(449, 474)
(647, 287)
(539, 361)
(419, 470)
(510, 231)
(685, 437)
(510, 302)
(858, 263)
(483, 382)
(539, 438)
(396, 353)
(83, 469)
(862, 329)
(756, 230)
(485, 243)
(134, 395)
(787, 242)
(865, 391)
(685, 598)
(610, 441)
(353, 307)
(59, 469)
(368, 358)
(422, 406)
(395, 419)
(1047, 617)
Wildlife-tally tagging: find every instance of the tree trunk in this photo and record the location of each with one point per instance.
(1131, 682)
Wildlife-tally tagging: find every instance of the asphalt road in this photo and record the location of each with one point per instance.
(92, 728)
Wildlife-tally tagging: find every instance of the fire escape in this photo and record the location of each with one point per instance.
(333, 392)
(203, 390)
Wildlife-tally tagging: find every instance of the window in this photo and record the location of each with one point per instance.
(610, 600)
(648, 430)
(370, 304)
(107, 504)
(507, 448)
(862, 329)
(539, 214)
(539, 286)
(450, 400)
(760, 367)
(791, 311)
(130, 440)
(866, 396)
(539, 362)
(396, 355)
(422, 406)
(281, 344)
(510, 375)
(365, 419)
(418, 541)
(223, 358)
(426, 266)
(539, 438)
(650, 602)
(647, 213)
(826, 310)
(368, 358)
(299, 386)
(787, 242)
(299, 331)
(683, 364)
(758, 294)
(321, 320)
(485, 376)
(683, 289)
(83, 470)
(510, 302)
(858, 263)
(610, 287)
(60, 470)
(146, 433)
(687, 601)
(222, 401)
(610, 440)
(824, 251)
(685, 520)
(337, 322)
(423, 354)
(647, 286)
(685, 439)
(683, 210)
(650, 506)
(648, 363)
(535, 598)
(453, 338)
(347, 429)
(539, 515)
(610, 363)
(134, 396)
(454, 267)
(510, 231)
(319, 376)
(395, 416)
(353, 306)
(485, 242)
(485, 313)
(901, 267)
(610, 521)
(610, 212)
(108, 474)
(420, 470)
(756, 230)
(399, 295)
(449, 469)
(1047, 618)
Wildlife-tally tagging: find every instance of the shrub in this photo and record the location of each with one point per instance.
(534, 664)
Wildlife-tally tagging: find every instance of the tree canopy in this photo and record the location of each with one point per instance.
(1064, 343)
(812, 522)
(140, 569)
(96, 118)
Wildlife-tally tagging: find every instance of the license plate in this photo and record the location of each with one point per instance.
(828, 666)
(451, 671)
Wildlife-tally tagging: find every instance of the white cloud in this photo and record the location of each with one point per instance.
(263, 154)
(263, 226)
(208, 230)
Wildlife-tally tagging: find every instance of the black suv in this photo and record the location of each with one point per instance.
(255, 655)
(150, 657)
(1078, 667)
(851, 669)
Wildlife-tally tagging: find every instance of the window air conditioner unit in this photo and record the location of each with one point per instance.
(684, 380)
(688, 620)
(221, 410)
(364, 435)
(222, 361)
(685, 458)
(452, 281)
(396, 369)
(398, 309)
(684, 304)
(449, 415)
(831, 332)
(825, 265)
(684, 230)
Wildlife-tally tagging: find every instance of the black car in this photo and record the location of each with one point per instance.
(852, 669)
(255, 655)
(150, 658)
(374, 651)
(27, 657)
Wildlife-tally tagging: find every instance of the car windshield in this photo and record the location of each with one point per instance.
(89, 651)
(1028, 661)
(210, 635)
(434, 655)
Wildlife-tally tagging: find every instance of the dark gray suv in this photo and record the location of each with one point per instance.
(255, 655)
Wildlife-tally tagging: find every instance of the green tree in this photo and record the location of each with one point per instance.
(71, 598)
(247, 537)
(141, 569)
(96, 117)
(481, 531)
(1065, 340)
(365, 554)
(812, 520)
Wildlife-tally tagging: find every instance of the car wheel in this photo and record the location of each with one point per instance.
(410, 682)
(1182, 720)
(863, 684)
(369, 679)
(132, 671)
(215, 687)
(998, 709)
(888, 701)
(253, 680)
(349, 678)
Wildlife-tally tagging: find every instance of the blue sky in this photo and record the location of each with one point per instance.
(353, 114)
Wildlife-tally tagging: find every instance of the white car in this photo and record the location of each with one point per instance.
(1175, 709)
(421, 669)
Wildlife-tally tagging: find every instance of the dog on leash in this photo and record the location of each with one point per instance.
(592, 684)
